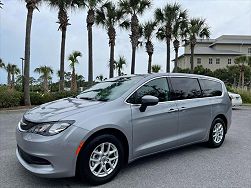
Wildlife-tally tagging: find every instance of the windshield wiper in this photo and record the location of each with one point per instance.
(88, 98)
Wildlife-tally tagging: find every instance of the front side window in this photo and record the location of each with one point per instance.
(185, 88)
(198, 61)
(217, 60)
(158, 88)
(229, 61)
(249, 51)
(210, 61)
(110, 89)
(210, 88)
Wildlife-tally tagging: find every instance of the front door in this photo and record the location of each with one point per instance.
(155, 129)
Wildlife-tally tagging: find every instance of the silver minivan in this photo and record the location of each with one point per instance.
(119, 120)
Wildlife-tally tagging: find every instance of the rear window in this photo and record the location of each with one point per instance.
(210, 88)
(185, 88)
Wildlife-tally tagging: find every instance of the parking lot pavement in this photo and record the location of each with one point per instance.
(192, 166)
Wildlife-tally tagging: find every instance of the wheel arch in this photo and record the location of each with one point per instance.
(113, 131)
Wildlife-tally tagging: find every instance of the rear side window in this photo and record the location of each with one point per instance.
(210, 88)
(158, 88)
(185, 88)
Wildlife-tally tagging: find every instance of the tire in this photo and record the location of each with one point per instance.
(88, 159)
(217, 133)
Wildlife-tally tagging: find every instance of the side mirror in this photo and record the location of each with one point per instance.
(148, 100)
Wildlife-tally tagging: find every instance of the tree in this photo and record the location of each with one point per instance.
(45, 73)
(8, 68)
(2, 65)
(91, 6)
(100, 78)
(241, 61)
(134, 8)
(14, 71)
(179, 34)
(156, 68)
(63, 20)
(1, 4)
(196, 28)
(148, 29)
(73, 58)
(110, 17)
(119, 65)
(167, 17)
(31, 5)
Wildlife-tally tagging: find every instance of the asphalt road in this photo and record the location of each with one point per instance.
(192, 166)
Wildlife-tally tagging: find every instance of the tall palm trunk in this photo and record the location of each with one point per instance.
(90, 22)
(149, 50)
(176, 45)
(193, 42)
(46, 84)
(12, 81)
(62, 56)
(119, 71)
(134, 39)
(112, 38)
(73, 80)
(27, 55)
(8, 78)
(168, 55)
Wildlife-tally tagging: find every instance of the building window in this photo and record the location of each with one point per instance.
(217, 60)
(249, 51)
(229, 61)
(198, 61)
(210, 61)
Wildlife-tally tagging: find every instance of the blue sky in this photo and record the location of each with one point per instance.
(223, 17)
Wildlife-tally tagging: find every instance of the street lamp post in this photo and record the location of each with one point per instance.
(22, 73)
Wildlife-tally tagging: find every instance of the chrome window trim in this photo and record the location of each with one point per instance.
(169, 76)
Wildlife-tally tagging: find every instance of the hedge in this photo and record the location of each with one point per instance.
(12, 98)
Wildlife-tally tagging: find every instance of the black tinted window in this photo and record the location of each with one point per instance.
(158, 88)
(185, 88)
(210, 88)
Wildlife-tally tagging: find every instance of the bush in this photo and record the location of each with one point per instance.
(9, 98)
(12, 98)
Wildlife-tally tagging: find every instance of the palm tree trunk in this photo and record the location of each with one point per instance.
(62, 56)
(8, 78)
(73, 80)
(176, 60)
(133, 60)
(168, 55)
(191, 58)
(119, 72)
(243, 79)
(111, 74)
(27, 58)
(90, 56)
(45, 84)
(149, 63)
(12, 81)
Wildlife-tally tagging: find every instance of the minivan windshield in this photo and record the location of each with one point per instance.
(109, 89)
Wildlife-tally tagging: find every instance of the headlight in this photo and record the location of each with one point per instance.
(50, 128)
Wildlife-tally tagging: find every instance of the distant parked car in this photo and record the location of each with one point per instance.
(236, 99)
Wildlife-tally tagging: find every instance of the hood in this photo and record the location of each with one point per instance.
(56, 110)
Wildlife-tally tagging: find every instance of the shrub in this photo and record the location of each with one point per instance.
(9, 98)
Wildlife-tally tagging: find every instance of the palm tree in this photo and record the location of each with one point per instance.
(179, 34)
(148, 29)
(100, 78)
(110, 17)
(63, 20)
(167, 18)
(14, 71)
(45, 72)
(90, 19)
(31, 5)
(241, 61)
(156, 68)
(8, 68)
(196, 28)
(2, 65)
(119, 65)
(134, 8)
(73, 58)
(1, 4)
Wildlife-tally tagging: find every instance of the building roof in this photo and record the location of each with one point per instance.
(233, 39)
(212, 51)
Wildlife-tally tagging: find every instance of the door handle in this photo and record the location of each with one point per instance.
(183, 108)
(172, 110)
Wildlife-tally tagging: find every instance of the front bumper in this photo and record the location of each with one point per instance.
(59, 151)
